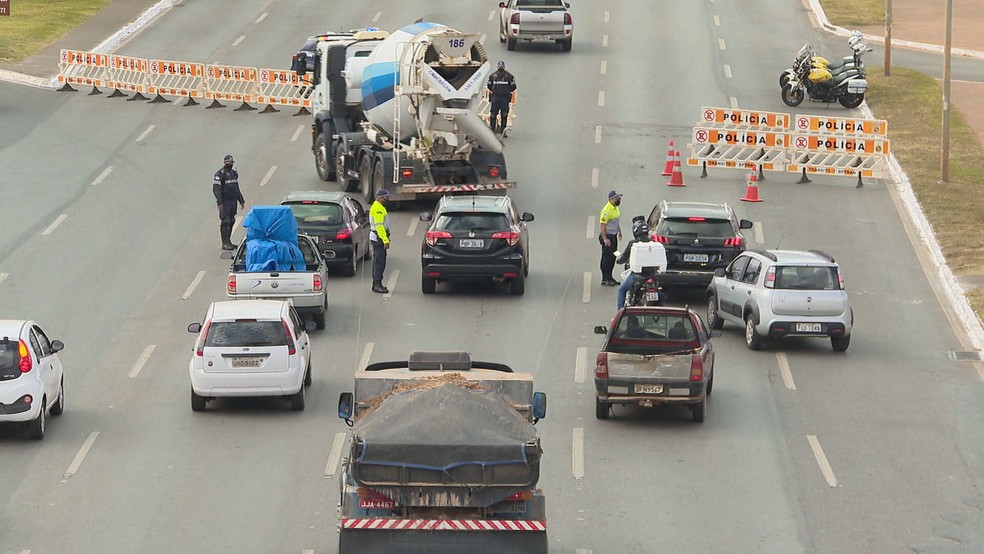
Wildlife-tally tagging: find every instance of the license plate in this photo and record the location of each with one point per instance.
(510, 507)
(699, 258)
(246, 362)
(808, 328)
(652, 296)
(648, 389)
(857, 86)
(472, 243)
(377, 503)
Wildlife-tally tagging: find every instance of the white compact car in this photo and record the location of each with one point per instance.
(31, 380)
(250, 348)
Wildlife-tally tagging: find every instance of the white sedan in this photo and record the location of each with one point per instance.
(31, 379)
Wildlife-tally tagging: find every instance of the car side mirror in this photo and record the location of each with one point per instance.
(309, 326)
(527, 216)
(57, 346)
(745, 224)
(345, 406)
(226, 255)
(719, 272)
(600, 330)
(502, 4)
(301, 68)
(567, 5)
(426, 216)
(539, 406)
(195, 328)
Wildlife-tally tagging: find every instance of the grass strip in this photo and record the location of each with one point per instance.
(34, 24)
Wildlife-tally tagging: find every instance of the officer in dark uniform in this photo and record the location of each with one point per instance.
(225, 187)
(501, 86)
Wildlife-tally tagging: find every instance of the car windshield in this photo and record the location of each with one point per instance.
(9, 358)
(471, 221)
(661, 327)
(538, 3)
(246, 333)
(315, 215)
(799, 277)
(695, 227)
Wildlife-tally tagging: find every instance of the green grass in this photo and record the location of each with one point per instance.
(34, 24)
(851, 13)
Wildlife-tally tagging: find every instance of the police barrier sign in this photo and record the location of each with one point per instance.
(838, 143)
(744, 118)
(840, 125)
(757, 139)
(4, 7)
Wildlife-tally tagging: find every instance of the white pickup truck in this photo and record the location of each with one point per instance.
(530, 20)
(305, 289)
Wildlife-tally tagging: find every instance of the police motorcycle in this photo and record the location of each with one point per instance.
(646, 259)
(816, 81)
(806, 55)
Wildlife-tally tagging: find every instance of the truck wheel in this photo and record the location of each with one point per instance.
(517, 286)
(37, 426)
(322, 162)
(297, 401)
(697, 410)
(510, 44)
(365, 178)
(714, 321)
(752, 339)
(601, 409)
(839, 344)
(349, 185)
(197, 402)
(428, 284)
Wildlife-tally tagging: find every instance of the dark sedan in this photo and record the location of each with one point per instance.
(336, 222)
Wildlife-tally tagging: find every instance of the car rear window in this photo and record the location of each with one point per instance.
(246, 333)
(471, 221)
(323, 214)
(656, 327)
(798, 277)
(8, 360)
(538, 3)
(695, 227)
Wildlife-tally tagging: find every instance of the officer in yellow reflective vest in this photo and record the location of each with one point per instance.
(609, 233)
(379, 236)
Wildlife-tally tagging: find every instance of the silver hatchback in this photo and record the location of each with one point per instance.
(782, 293)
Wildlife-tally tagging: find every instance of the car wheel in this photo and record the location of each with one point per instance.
(351, 266)
(714, 321)
(840, 344)
(59, 406)
(752, 339)
(428, 284)
(697, 410)
(602, 409)
(502, 34)
(710, 383)
(517, 286)
(37, 427)
(510, 44)
(297, 401)
(566, 45)
(307, 375)
(324, 165)
(319, 320)
(197, 402)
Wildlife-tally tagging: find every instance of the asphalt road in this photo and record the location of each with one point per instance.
(804, 450)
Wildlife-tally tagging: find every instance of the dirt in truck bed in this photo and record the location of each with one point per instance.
(424, 383)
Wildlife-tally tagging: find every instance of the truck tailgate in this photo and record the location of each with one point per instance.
(541, 20)
(656, 366)
(277, 286)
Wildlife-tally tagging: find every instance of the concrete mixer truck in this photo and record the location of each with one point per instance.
(401, 111)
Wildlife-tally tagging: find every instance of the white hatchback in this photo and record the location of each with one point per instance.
(250, 348)
(31, 379)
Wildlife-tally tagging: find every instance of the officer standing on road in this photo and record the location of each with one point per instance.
(501, 86)
(379, 236)
(225, 187)
(610, 232)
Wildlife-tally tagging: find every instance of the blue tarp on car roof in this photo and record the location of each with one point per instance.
(271, 240)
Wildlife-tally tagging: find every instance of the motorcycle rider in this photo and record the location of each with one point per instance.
(640, 233)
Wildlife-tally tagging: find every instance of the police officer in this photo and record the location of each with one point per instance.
(609, 233)
(379, 236)
(225, 187)
(501, 86)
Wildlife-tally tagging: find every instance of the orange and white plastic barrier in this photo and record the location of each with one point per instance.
(231, 83)
(172, 78)
(127, 74)
(82, 68)
(283, 88)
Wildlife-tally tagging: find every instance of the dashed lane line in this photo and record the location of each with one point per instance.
(482, 38)
(577, 463)
(601, 98)
(604, 40)
(194, 283)
(608, 16)
(74, 468)
(146, 132)
(376, 17)
(580, 364)
(604, 67)
(238, 40)
(391, 284)
(334, 455)
(138, 365)
(3, 276)
(297, 133)
(586, 293)
(366, 356)
(269, 174)
(717, 21)
(734, 103)
(491, 15)
(412, 230)
(597, 134)
(54, 225)
(102, 176)
(759, 234)
(595, 174)
(261, 18)
(727, 71)
(591, 227)
(787, 375)
(828, 472)
(721, 44)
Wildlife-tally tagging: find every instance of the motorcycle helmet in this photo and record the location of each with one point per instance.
(640, 229)
(820, 74)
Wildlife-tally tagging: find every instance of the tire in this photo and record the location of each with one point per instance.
(351, 266)
(517, 286)
(783, 79)
(349, 185)
(510, 44)
(502, 34)
(59, 406)
(365, 178)
(710, 383)
(714, 321)
(378, 178)
(601, 409)
(851, 100)
(792, 96)
(307, 375)
(297, 401)
(324, 165)
(428, 284)
(197, 402)
(840, 344)
(698, 411)
(566, 45)
(37, 426)
(752, 339)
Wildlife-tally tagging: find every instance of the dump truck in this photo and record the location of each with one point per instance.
(443, 457)
(402, 111)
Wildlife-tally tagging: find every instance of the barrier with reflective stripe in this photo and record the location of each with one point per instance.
(740, 139)
(444, 524)
(126, 73)
(283, 88)
(839, 146)
(171, 78)
(82, 68)
(231, 83)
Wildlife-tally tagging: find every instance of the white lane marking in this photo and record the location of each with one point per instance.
(759, 234)
(582, 551)
(491, 15)
(3, 276)
(72, 469)
(334, 455)
(297, 133)
(787, 375)
(591, 226)
(604, 40)
(825, 468)
(377, 16)
(307, 551)
(391, 284)
(56, 223)
(721, 44)
(102, 176)
(727, 71)
(604, 67)
(261, 18)
(25, 552)
(597, 134)
(734, 103)
(578, 461)
(482, 38)
(717, 21)
(580, 363)
(366, 355)
(194, 283)
(608, 16)
(238, 40)
(269, 174)
(595, 173)
(601, 98)
(413, 227)
(144, 134)
(138, 365)
(586, 288)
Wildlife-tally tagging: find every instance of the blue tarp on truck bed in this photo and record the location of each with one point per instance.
(271, 240)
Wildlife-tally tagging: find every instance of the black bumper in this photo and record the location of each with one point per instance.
(788, 329)
(624, 391)
(506, 268)
(686, 278)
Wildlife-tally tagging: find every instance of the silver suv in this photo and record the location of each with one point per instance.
(782, 293)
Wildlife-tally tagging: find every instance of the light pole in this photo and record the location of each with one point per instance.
(945, 142)
(888, 38)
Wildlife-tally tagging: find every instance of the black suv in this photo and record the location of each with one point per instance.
(699, 237)
(336, 222)
(475, 236)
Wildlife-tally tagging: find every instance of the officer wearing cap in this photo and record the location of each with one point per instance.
(609, 233)
(225, 187)
(501, 86)
(379, 237)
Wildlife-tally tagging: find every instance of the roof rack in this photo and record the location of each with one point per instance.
(823, 255)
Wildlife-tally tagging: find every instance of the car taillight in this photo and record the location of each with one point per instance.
(514, 20)
(840, 279)
(24, 357)
(736, 241)
(317, 283)
(406, 172)
(231, 284)
(201, 339)
(601, 365)
(290, 338)
(344, 233)
(770, 278)
(494, 171)
(696, 368)
(511, 237)
(433, 236)
(661, 239)
(568, 20)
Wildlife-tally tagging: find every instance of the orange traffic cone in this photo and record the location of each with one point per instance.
(668, 168)
(676, 179)
(752, 191)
